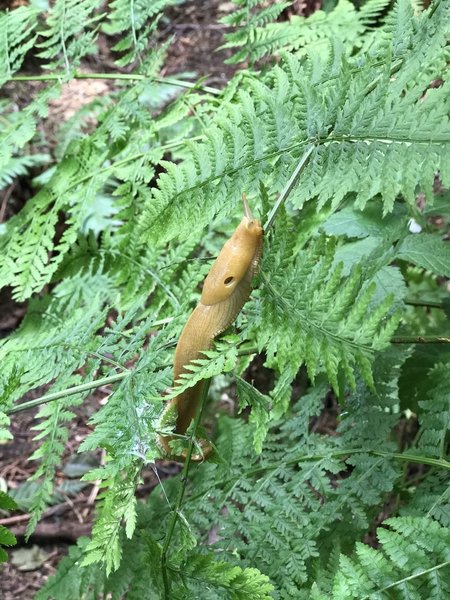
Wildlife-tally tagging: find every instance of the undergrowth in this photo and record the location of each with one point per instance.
(337, 130)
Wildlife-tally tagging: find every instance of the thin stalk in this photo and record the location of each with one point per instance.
(289, 186)
(84, 387)
(425, 303)
(409, 578)
(420, 339)
(133, 158)
(184, 477)
(407, 458)
(119, 76)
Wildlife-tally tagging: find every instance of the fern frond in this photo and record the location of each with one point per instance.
(133, 20)
(328, 328)
(17, 37)
(119, 504)
(70, 33)
(238, 583)
(435, 418)
(413, 560)
(19, 165)
(344, 23)
(42, 350)
(358, 119)
(20, 127)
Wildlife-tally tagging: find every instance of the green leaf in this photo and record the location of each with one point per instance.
(352, 222)
(6, 537)
(426, 250)
(6, 502)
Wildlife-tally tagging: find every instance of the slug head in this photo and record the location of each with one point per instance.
(238, 258)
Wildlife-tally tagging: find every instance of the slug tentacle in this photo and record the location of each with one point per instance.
(226, 289)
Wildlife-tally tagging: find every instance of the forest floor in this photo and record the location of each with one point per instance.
(196, 36)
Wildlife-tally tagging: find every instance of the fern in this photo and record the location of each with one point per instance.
(6, 537)
(200, 577)
(261, 36)
(18, 166)
(356, 119)
(67, 39)
(332, 148)
(17, 36)
(313, 331)
(413, 561)
(20, 127)
(133, 18)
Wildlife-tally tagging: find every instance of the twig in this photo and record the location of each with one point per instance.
(56, 509)
(95, 488)
(177, 508)
(203, 26)
(69, 531)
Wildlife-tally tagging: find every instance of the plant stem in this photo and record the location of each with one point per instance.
(420, 339)
(84, 387)
(407, 458)
(184, 477)
(119, 76)
(289, 186)
(425, 303)
(133, 158)
(409, 578)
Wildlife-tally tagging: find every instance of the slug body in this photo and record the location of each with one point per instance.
(226, 289)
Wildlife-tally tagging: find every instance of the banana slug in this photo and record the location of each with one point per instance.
(226, 289)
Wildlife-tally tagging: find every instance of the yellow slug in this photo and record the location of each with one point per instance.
(226, 289)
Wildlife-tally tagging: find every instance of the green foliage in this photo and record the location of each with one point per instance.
(6, 537)
(427, 251)
(412, 563)
(259, 36)
(343, 431)
(202, 576)
(329, 330)
(17, 36)
(133, 19)
(75, 39)
(357, 118)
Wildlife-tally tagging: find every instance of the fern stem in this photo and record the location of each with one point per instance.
(92, 385)
(132, 158)
(420, 339)
(425, 303)
(120, 76)
(289, 186)
(408, 458)
(409, 578)
(84, 387)
(184, 477)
